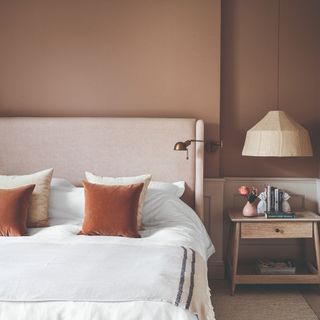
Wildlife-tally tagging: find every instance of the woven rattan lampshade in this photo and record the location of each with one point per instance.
(277, 135)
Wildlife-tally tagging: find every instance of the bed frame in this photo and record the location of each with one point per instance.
(105, 146)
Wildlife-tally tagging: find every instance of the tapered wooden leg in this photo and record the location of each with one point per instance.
(317, 246)
(235, 256)
(229, 251)
(305, 251)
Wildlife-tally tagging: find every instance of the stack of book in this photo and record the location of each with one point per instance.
(280, 215)
(274, 201)
(275, 266)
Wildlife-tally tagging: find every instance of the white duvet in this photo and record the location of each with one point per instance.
(167, 221)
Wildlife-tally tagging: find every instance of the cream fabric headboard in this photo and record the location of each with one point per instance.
(105, 146)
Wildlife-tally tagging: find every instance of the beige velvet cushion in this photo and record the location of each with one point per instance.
(145, 179)
(38, 211)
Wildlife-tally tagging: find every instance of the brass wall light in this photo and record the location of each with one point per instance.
(210, 146)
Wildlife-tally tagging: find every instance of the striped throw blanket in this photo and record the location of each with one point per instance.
(34, 272)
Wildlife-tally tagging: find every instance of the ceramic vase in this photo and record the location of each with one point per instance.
(249, 210)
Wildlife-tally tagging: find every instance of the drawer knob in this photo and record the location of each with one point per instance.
(277, 230)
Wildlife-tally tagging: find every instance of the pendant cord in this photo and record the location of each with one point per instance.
(278, 57)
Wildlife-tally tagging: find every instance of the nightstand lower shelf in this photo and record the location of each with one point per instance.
(305, 275)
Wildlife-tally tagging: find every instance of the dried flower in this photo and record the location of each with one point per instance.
(244, 190)
(251, 194)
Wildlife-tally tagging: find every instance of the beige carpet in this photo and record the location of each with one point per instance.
(260, 303)
(312, 296)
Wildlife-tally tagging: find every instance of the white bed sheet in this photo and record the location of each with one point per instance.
(167, 221)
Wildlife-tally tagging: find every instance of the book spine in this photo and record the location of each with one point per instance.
(268, 198)
(280, 216)
(280, 212)
(276, 199)
(272, 199)
(280, 200)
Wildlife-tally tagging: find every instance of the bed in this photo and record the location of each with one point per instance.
(54, 273)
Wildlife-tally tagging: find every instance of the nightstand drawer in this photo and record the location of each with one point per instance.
(276, 230)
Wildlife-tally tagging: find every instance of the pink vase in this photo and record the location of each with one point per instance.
(249, 210)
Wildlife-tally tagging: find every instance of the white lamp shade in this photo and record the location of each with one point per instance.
(277, 135)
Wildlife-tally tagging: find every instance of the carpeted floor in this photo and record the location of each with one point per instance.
(266, 302)
(312, 296)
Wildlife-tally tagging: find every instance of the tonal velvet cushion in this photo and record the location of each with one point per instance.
(14, 205)
(38, 211)
(145, 179)
(111, 210)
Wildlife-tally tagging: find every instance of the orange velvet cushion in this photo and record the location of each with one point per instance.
(14, 205)
(111, 210)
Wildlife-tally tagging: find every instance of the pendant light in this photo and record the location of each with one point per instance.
(277, 134)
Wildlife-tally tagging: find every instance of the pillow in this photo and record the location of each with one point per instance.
(176, 188)
(38, 211)
(145, 179)
(66, 203)
(14, 205)
(59, 182)
(111, 210)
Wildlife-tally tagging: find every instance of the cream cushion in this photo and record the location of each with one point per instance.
(38, 211)
(146, 178)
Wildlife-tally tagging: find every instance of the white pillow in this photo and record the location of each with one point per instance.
(59, 182)
(176, 188)
(66, 203)
(38, 210)
(146, 178)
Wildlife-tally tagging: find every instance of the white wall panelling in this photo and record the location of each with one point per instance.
(213, 220)
(318, 194)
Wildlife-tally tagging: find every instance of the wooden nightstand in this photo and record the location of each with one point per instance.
(304, 226)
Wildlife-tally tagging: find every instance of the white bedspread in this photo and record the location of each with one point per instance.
(168, 222)
(104, 273)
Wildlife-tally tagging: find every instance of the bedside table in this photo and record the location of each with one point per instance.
(305, 226)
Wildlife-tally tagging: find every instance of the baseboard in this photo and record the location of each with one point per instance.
(216, 270)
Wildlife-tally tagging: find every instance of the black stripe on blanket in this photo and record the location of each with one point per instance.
(183, 270)
(193, 268)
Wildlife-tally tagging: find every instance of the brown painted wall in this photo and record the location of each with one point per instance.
(162, 58)
(112, 58)
(249, 73)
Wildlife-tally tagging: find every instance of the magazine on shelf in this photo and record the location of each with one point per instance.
(275, 266)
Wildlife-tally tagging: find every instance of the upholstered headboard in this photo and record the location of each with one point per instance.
(105, 146)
